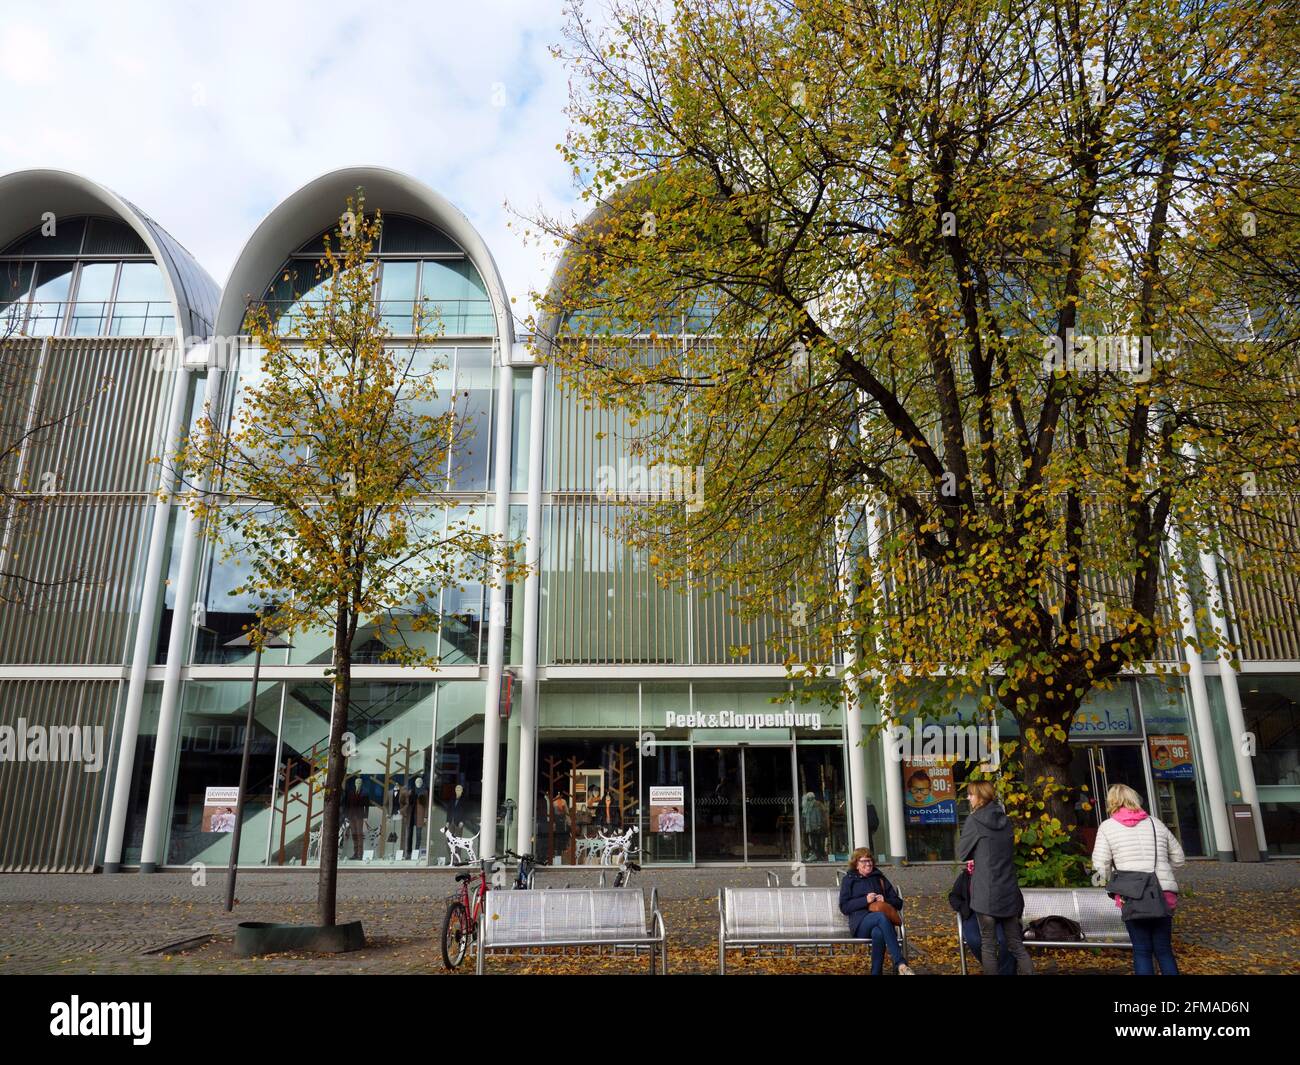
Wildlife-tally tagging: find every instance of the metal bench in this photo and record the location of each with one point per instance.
(1094, 910)
(760, 919)
(604, 918)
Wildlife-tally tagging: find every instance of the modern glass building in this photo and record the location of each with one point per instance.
(599, 702)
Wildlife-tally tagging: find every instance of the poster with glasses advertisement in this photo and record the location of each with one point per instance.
(929, 797)
(1171, 758)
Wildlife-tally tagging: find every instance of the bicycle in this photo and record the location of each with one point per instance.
(460, 925)
(625, 871)
(527, 869)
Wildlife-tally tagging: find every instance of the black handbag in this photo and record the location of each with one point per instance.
(1141, 892)
(1054, 929)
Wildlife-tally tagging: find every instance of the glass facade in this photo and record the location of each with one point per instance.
(663, 716)
(88, 277)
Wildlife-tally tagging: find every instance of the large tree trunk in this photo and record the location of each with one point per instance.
(1047, 769)
(327, 891)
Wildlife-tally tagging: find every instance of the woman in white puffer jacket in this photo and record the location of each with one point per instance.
(1131, 840)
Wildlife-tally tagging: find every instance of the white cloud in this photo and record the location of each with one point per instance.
(206, 116)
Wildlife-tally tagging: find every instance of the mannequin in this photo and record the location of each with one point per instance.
(414, 802)
(356, 808)
(456, 812)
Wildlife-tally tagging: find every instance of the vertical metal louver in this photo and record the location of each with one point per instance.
(49, 810)
(74, 545)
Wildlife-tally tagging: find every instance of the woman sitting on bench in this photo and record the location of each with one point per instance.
(863, 886)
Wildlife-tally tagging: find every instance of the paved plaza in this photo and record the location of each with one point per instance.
(1231, 919)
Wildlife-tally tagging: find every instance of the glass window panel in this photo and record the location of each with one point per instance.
(211, 752)
(457, 298)
(141, 281)
(17, 281)
(397, 296)
(94, 288)
(473, 430)
(53, 281)
(457, 792)
(463, 607)
(587, 788)
(142, 307)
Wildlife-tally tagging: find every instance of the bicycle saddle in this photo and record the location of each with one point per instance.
(462, 877)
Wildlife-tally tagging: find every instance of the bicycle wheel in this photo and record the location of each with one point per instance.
(456, 934)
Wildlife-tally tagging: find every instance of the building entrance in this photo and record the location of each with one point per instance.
(1098, 766)
(744, 804)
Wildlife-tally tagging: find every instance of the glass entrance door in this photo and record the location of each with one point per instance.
(769, 804)
(719, 805)
(744, 804)
(1098, 766)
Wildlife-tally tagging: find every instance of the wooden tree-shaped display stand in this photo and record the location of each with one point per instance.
(621, 782)
(314, 761)
(575, 763)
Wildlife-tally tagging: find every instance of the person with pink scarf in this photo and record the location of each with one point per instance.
(1131, 840)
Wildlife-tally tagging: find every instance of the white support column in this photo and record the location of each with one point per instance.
(144, 629)
(1209, 757)
(496, 628)
(893, 797)
(852, 703)
(164, 758)
(532, 614)
(1231, 694)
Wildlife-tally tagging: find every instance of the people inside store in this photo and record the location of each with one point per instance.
(988, 847)
(1131, 840)
(813, 812)
(866, 899)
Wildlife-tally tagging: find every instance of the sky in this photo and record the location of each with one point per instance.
(206, 116)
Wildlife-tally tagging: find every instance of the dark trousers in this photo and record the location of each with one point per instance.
(880, 930)
(1010, 927)
(1153, 936)
(971, 933)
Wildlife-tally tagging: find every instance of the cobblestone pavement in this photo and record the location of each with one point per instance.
(131, 923)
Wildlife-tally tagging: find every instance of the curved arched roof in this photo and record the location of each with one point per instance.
(604, 213)
(316, 207)
(26, 195)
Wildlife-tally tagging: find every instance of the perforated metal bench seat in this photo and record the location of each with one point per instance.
(775, 916)
(602, 917)
(1095, 911)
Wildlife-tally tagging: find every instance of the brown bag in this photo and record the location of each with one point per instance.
(880, 906)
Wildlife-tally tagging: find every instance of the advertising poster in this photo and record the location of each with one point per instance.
(1171, 758)
(219, 809)
(929, 797)
(668, 809)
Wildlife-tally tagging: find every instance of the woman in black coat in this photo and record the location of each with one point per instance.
(988, 846)
(864, 885)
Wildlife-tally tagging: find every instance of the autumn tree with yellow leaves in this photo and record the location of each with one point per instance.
(980, 298)
(329, 479)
